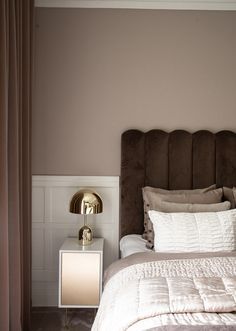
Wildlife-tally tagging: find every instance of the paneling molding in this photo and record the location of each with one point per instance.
(52, 224)
(135, 4)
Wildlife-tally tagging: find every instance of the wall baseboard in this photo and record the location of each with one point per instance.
(52, 223)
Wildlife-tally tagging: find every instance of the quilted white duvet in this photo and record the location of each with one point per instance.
(200, 291)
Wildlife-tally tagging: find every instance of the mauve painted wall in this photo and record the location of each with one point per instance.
(99, 72)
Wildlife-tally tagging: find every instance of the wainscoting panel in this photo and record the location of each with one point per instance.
(52, 223)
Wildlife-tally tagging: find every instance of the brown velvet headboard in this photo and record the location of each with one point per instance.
(175, 160)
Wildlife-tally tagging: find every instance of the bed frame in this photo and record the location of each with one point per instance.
(175, 160)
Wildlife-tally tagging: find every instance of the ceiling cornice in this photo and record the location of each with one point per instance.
(136, 4)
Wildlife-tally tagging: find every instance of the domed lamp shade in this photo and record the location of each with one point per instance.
(86, 202)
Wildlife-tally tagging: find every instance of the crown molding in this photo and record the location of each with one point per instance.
(137, 4)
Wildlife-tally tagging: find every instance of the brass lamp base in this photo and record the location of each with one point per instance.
(85, 235)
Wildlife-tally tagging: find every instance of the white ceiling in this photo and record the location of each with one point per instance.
(137, 4)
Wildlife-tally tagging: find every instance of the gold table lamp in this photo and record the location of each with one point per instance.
(86, 202)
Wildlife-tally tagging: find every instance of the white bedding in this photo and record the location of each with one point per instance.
(185, 319)
(151, 294)
(132, 243)
(194, 232)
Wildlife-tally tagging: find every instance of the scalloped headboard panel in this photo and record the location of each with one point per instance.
(175, 160)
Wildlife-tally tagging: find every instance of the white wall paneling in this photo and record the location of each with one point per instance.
(52, 223)
(141, 4)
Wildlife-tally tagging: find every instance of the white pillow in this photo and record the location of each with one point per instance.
(194, 232)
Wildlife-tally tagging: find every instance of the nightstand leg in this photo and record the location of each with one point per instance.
(95, 312)
(66, 324)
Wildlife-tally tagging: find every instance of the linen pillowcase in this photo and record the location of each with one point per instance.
(194, 232)
(153, 200)
(229, 194)
(164, 191)
(172, 207)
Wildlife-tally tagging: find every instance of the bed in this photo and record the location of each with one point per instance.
(188, 280)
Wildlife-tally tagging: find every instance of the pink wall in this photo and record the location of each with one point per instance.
(99, 72)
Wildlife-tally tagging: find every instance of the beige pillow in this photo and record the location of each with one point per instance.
(172, 207)
(153, 200)
(164, 191)
(229, 194)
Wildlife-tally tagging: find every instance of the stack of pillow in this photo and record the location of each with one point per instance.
(190, 220)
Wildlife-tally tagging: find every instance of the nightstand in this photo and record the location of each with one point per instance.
(80, 274)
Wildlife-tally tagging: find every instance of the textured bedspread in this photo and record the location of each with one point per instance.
(175, 293)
